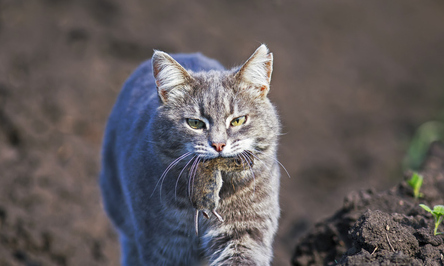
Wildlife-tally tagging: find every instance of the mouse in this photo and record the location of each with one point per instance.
(207, 184)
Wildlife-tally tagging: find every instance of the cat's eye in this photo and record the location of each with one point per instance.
(238, 121)
(195, 123)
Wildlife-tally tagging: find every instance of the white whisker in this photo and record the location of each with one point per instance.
(244, 155)
(261, 161)
(164, 174)
(177, 181)
(193, 166)
(276, 160)
(283, 167)
(194, 174)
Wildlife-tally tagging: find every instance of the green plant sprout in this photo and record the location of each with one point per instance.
(438, 212)
(416, 182)
(426, 134)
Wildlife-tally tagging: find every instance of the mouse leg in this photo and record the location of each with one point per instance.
(196, 222)
(205, 214)
(218, 216)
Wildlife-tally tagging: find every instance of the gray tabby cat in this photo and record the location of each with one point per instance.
(173, 114)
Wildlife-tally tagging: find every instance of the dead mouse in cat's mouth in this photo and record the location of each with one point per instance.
(208, 182)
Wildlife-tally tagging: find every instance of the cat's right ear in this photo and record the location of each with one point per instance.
(255, 74)
(169, 76)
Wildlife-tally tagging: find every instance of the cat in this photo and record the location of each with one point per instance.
(174, 113)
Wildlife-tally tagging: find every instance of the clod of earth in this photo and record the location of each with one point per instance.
(386, 228)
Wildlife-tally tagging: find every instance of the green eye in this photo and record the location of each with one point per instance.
(195, 123)
(238, 121)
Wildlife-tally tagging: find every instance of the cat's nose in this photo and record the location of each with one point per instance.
(218, 146)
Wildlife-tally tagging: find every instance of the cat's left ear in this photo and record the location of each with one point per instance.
(170, 76)
(255, 74)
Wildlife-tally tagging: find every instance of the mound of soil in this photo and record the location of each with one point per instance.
(383, 228)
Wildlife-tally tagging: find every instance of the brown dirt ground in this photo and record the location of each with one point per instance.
(351, 80)
(385, 228)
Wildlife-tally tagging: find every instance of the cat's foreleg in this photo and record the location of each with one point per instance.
(241, 252)
(247, 246)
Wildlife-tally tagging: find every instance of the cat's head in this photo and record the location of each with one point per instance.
(216, 113)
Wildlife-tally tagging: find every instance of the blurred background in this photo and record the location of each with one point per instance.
(356, 84)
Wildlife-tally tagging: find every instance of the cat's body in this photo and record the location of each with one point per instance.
(154, 140)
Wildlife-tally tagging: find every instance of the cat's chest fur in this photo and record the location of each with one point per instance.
(187, 135)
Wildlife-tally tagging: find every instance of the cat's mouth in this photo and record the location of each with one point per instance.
(234, 162)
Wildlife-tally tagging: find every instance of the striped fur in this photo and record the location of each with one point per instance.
(151, 154)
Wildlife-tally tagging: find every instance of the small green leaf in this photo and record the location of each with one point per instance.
(438, 214)
(438, 210)
(425, 207)
(427, 133)
(416, 182)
